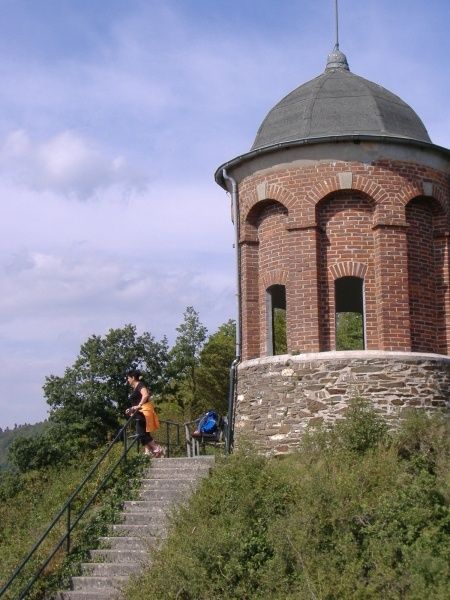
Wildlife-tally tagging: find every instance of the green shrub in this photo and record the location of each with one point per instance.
(362, 429)
(352, 515)
(424, 441)
(30, 453)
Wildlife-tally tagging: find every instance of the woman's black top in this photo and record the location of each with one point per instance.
(135, 397)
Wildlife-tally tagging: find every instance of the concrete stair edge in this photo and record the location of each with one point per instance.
(87, 595)
(94, 582)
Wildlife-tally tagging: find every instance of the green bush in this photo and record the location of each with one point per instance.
(362, 429)
(30, 453)
(356, 513)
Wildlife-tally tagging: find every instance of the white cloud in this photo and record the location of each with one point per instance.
(66, 163)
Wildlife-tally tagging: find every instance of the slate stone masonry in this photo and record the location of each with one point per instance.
(279, 397)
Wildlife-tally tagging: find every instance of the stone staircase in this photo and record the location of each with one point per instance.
(167, 482)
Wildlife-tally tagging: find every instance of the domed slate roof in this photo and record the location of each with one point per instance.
(339, 103)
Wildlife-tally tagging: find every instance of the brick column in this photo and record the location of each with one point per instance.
(391, 281)
(250, 299)
(442, 266)
(302, 294)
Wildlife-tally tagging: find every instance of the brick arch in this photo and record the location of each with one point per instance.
(350, 194)
(331, 185)
(249, 231)
(410, 191)
(275, 277)
(431, 201)
(348, 269)
(268, 191)
(441, 195)
(413, 193)
(437, 208)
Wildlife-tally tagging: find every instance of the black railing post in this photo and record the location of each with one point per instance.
(69, 510)
(168, 439)
(125, 443)
(138, 445)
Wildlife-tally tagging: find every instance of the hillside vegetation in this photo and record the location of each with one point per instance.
(29, 501)
(356, 513)
(86, 409)
(8, 436)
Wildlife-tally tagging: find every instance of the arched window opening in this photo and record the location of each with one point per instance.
(276, 320)
(349, 300)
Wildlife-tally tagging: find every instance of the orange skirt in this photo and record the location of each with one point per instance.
(151, 418)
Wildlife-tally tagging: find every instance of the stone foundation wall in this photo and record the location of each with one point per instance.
(278, 397)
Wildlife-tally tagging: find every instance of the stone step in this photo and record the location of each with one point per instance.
(157, 519)
(87, 595)
(173, 496)
(123, 543)
(186, 466)
(119, 555)
(105, 584)
(147, 506)
(183, 461)
(110, 569)
(177, 473)
(144, 531)
(168, 484)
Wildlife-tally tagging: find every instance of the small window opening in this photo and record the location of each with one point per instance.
(276, 314)
(349, 297)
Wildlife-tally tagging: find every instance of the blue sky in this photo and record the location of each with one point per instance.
(113, 118)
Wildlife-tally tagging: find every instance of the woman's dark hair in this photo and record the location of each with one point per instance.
(135, 374)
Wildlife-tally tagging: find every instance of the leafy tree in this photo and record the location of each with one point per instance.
(185, 358)
(213, 371)
(92, 392)
(88, 400)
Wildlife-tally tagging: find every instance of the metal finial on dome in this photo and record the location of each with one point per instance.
(337, 59)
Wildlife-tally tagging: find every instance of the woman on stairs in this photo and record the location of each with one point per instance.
(146, 417)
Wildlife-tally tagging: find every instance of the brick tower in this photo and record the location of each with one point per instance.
(343, 227)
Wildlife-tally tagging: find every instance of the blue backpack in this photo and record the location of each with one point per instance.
(208, 423)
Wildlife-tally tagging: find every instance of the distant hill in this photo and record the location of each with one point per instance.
(7, 436)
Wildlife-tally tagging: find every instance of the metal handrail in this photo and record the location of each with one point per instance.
(67, 508)
(167, 442)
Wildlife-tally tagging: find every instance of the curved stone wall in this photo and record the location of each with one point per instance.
(278, 397)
